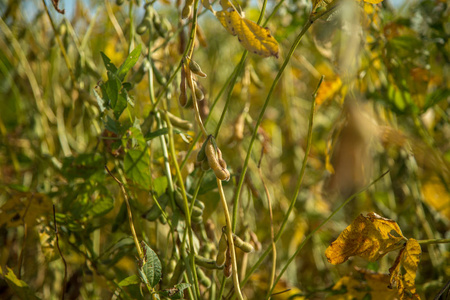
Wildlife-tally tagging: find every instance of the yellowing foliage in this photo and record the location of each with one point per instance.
(374, 284)
(253, 37)
(408, 258)
(368, 237)
(24, 207)
(372, 237)
(437, 196)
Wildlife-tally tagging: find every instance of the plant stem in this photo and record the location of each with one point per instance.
(61, 46)
(305, 160)
(130, 215)
(186, 205)
(230, 241)
(265, 253)
(294, 46)
(434, 241)
(320, 226)
(63, 292)
(272, 234)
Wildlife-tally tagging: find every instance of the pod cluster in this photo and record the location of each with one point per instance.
(211, 158)
(197, 209)
(151, 21)
(187, 9)
(188, 69)
(223, 257)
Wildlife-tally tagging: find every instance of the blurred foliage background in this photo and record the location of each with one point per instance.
(384, 105)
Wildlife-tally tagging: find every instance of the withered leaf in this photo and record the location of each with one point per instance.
(55, 5)
(253, 37)
(408, 259)
(368, 237)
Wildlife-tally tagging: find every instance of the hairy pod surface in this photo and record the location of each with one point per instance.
(195, 68)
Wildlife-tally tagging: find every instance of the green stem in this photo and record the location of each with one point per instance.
(130, 215)
(294, 46)
(434, 241)
(186, 205)
(320, 226)
(239, 68)
(230, 241)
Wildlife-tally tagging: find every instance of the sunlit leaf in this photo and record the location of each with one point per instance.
(437, 196)
(408, 259)
(130, 280)
(108, 64)
(129, 62)
(253, 37)
(373, 1)
(20, 287)
(368, 237)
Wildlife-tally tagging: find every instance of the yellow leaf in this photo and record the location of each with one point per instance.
(408, 258)
(372, 286)
(373, 1)
(20, 287)
(24, 206)
(253, 37)
(437, 196)
(352, 286)
(368, 237)
(328, 89)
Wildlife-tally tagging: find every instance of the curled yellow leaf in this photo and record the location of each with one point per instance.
(368, 237)
(408, 258)
(253, 37)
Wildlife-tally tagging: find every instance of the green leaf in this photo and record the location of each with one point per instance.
(129, 62)
(135, 135)
(108, 64)
(436, 97)
(136, 164)
(20, 287)
(150, 266)
(102, 205)
(130, 280)
(112, 88)
(121, 104)
(114, 126)
(159, 132)
(160, 185)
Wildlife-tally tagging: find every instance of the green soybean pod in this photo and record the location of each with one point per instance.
(203, 279)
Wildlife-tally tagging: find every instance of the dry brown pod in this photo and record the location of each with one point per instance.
(228, 268)
(216, 165)
(183, 94)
